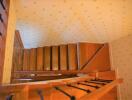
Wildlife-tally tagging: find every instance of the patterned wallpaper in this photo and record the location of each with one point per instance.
(50, 22)
(121, 51)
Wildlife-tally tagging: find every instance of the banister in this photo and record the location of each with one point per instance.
(9, 97)
(96, 87)
(95, 95)
(41, 84)
(88, 91)
(95, 82)
(65, 93)
(23, 88)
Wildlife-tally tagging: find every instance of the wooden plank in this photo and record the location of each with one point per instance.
(47, 58)
(20, 58)
(32, 59)
(51, 58)
(63, 57)
(86, 51)
(40, 59)
(55, 58)
(72, 54)
(26, 60)
(100, 62)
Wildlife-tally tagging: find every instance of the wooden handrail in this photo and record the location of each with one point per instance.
(42, 84)
(95, 95)
(23, 88)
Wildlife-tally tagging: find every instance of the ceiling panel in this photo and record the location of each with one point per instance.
(52, 22)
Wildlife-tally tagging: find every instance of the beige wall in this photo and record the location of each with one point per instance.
(121, 51)
(9, 44)
(54, 22)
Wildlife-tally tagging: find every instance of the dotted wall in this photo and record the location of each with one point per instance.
(121, 51)
(50, 22)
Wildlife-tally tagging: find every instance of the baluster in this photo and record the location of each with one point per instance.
(96, 87)
(9, 97)
(0, 34)
(71, 97)
(3, 6)
(88, 91)
(102, 80)
(95, 82)
(40, 93)
(1, 19)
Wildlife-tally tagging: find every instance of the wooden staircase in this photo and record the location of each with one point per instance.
(61, 60)
(78, 88)
(65, 72)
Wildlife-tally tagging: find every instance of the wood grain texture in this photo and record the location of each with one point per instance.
(40, 59)
(86, 51)
(47, 58)
(63, 57)
(26, 59)
(55, 58)
(72, 54)
(100, 62)
(33, 59)
(20, 59)
(3, 38)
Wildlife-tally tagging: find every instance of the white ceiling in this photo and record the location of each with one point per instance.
(51, 22)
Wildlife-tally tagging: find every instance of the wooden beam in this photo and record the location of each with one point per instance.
(26, 59)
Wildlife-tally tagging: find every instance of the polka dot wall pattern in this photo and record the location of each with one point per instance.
(121, 51)
(95, 21)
